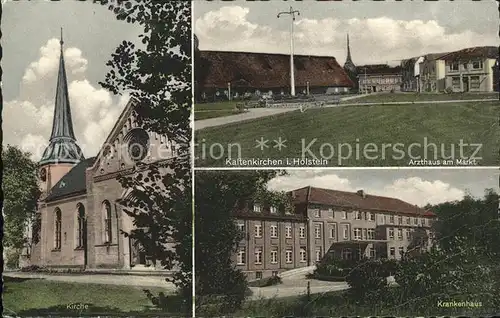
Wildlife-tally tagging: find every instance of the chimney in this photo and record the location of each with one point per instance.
(361, 193)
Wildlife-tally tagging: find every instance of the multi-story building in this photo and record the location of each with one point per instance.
(345, 224)
(471, 69)
(379, 78)
(410, 72)
(432, 73)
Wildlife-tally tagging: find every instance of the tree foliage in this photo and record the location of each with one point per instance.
(21, 194)
(463, 263)
(218, 195)
(157, 74)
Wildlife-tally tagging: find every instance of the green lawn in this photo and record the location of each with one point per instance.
(26, 297)
(336, 304)
(391, 128)
(212, 110)
(413, 97)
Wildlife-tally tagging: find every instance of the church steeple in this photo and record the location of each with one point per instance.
(349, 65)
(62, 147)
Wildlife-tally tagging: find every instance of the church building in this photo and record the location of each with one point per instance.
(350, 68)
(81, 219)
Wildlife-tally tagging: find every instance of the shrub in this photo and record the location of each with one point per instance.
(264, 282)
(12, 258)
(448, 90)
(367, 280)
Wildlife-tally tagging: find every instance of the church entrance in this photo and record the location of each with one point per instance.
(137, 255)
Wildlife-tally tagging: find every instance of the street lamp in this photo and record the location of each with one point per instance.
(292, 79)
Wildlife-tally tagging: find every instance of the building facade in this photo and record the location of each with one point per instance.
(342, 224)
(410, 73)
(231, 75)
(379, 78)
(432, 74)
(80, 215)
(471, 69)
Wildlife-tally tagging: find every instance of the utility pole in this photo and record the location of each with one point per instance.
(292, 13)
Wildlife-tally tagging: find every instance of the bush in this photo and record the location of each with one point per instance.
(368, 280)
(12, 258)
(448, 90)
(264, 282)
(326, 278)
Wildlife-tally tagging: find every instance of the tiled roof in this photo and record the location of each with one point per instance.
(266, 70)
(434, 56)
(473, 52)
(378, 69)
(357, 201)
(73, 183)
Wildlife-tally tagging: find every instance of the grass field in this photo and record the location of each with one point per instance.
(412, 97)
(391, 128)
(212, 110)
(336, 304)
(26, 297)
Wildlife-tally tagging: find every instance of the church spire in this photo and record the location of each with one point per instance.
(62, 147)
(349, 65)
(62, 125)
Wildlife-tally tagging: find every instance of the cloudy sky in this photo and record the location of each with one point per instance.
(415, 186)
(380, 32)
(30, 61)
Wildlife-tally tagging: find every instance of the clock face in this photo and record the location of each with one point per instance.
(43, 174)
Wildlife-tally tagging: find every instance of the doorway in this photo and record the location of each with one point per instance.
(465, 81)
(374, 89)
(137, 255)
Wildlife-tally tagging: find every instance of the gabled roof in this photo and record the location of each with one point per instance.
(357, 201)
(490, 52)
(126, 112)
(73, 183)
(434, 56)
(378, 69)
(266, 70)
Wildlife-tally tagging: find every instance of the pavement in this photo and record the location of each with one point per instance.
(412, 103)
(106, 279)
(252, 113)
(295, 288)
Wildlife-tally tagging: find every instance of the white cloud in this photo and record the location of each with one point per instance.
(48, 62)
(376, 40)
(413, 190)
(28, 118)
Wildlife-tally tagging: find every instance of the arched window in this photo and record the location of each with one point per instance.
(57, 229)
(106, 209)
(80, 226)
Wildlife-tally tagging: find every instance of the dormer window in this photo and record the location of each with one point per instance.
(256, 208)
(273, 210)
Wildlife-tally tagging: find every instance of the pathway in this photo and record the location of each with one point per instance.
(252, 113)
(415, 102)
(295, 288)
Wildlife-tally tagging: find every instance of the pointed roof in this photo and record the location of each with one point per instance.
(348, 62)
(62, 146)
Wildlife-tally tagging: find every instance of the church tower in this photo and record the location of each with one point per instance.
(62, 153)
(349, 66)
